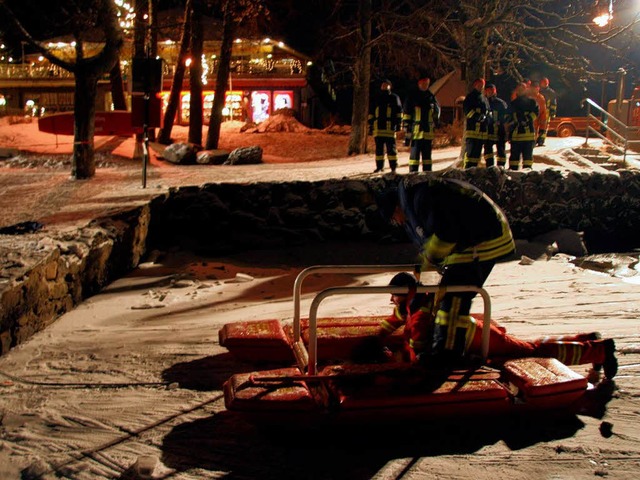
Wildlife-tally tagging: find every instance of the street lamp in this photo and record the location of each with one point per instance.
(604, 13)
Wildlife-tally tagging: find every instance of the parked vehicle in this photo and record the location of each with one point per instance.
(569, 126)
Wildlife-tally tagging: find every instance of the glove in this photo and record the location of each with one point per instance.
(407, 139)
(370, 130)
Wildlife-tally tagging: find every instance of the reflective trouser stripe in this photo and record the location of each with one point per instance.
(466, 322)
(569, 353)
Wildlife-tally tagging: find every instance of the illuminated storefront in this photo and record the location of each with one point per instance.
(243, 105)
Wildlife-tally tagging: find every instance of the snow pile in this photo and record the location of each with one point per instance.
(282, 120)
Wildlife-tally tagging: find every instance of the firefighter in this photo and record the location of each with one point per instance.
(476, 110)
(496, 134)
(551, 101)
(405, 306)
(522, 114)
(461, 233)
(385, 118)
(541, 121)
(413, 312)
(421, 116)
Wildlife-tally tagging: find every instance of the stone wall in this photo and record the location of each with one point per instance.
(45, 274)
(223, 218)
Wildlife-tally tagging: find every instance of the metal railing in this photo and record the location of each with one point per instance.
(312, 356)
(619, 131)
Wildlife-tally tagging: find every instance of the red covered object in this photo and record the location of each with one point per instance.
(257, 341)
(545, 382)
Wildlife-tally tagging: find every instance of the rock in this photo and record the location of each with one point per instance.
(563, 240)
(212, 157)
(145, 465)
(526, 260)
(245, 156)
(180, 153)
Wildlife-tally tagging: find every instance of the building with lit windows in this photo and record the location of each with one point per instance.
(266, 75)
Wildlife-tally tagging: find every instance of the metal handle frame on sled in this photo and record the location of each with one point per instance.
(297, 285)
(309, 358)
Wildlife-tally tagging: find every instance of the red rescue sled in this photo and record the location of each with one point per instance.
(321, 384)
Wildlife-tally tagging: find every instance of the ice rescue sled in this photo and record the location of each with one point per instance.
(321, 383)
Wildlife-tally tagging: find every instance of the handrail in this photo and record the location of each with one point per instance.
(620, 124)
(297, 285)
(312, 357)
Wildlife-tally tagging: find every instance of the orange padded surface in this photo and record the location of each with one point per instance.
(400, 385)
(257, 341)
(543, 376)
(242, 393)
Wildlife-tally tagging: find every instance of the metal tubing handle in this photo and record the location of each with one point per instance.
(313, 311)
(297, 285)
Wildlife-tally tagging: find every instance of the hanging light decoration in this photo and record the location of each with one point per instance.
(126, 14)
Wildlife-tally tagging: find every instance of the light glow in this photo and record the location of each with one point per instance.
(602, 20)
(604, 13)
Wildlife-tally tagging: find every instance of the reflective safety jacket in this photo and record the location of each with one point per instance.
(421, 115)
(454, 222)
(476, 111)
(551, 99)
(417, 310)
(497, 118)
(385, 115)
(523, 112)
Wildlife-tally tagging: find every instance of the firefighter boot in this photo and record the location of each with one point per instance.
(610, 363)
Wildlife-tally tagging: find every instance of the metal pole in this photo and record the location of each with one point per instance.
(145, 140)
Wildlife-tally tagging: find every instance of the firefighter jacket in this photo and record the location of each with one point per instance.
(551, 99)
(421, 115)
(541, 121)
(522, 115)
(476, 111)
(415, 315)
(454, 222)
(497, 119)
(385, 115)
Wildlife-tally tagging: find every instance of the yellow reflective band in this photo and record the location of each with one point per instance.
(442, 318)
(387, 327)
(451, 329)
(436, 248)
(562, 353)
(471, 332)
(495, 248)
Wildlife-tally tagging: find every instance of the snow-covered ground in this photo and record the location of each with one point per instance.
(133, 376)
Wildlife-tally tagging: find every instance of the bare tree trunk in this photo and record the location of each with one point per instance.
(195, 75)
(139, 51)
(222, 78)
(153, 46)
(86, 88)
(117, 88)
(361, 80)
(178, 77)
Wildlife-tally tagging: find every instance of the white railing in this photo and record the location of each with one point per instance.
(614, 127)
